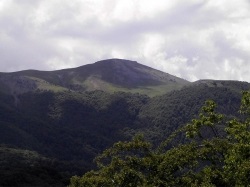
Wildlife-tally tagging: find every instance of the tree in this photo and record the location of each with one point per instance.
(215, 153)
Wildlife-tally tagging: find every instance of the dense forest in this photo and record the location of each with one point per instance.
(62, 132)
(220, 159)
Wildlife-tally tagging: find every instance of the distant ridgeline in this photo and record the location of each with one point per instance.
(56, 122)
(108, 75)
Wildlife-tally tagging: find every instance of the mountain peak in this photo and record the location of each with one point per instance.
(116, 61)
(108, 75)
(131, 74)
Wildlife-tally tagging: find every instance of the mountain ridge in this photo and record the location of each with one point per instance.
(109, 75)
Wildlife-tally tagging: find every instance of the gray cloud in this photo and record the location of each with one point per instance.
(193, 39)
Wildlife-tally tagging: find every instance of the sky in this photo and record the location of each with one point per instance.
(194, 39)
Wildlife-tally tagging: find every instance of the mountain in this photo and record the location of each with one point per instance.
(55, 128)
(107, 75)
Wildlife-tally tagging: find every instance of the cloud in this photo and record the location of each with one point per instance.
(194, 39)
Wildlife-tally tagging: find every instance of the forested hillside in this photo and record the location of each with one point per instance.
(71, 128)
(56, 133)
(163, 114)
(220, 159)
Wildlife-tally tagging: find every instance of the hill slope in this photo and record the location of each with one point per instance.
(107, 75)
(164, 114)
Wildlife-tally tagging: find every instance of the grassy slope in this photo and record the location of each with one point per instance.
(96, 84)
(109, 75)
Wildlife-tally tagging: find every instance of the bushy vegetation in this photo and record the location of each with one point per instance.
(218, 160)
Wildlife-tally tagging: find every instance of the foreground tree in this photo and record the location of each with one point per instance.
(215, 153)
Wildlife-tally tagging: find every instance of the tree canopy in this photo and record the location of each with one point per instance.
(216, 152)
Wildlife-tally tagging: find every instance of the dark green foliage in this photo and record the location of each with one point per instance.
(74, 127)
(27, 168)
(164, 114)
(69, 127)
(201, 161)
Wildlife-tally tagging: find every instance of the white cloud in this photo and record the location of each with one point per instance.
(193, 39)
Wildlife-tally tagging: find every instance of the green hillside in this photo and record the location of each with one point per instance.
(216, 158)
(68, 127)
(163, 114)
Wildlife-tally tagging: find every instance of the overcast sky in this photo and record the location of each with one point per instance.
(192, 39)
